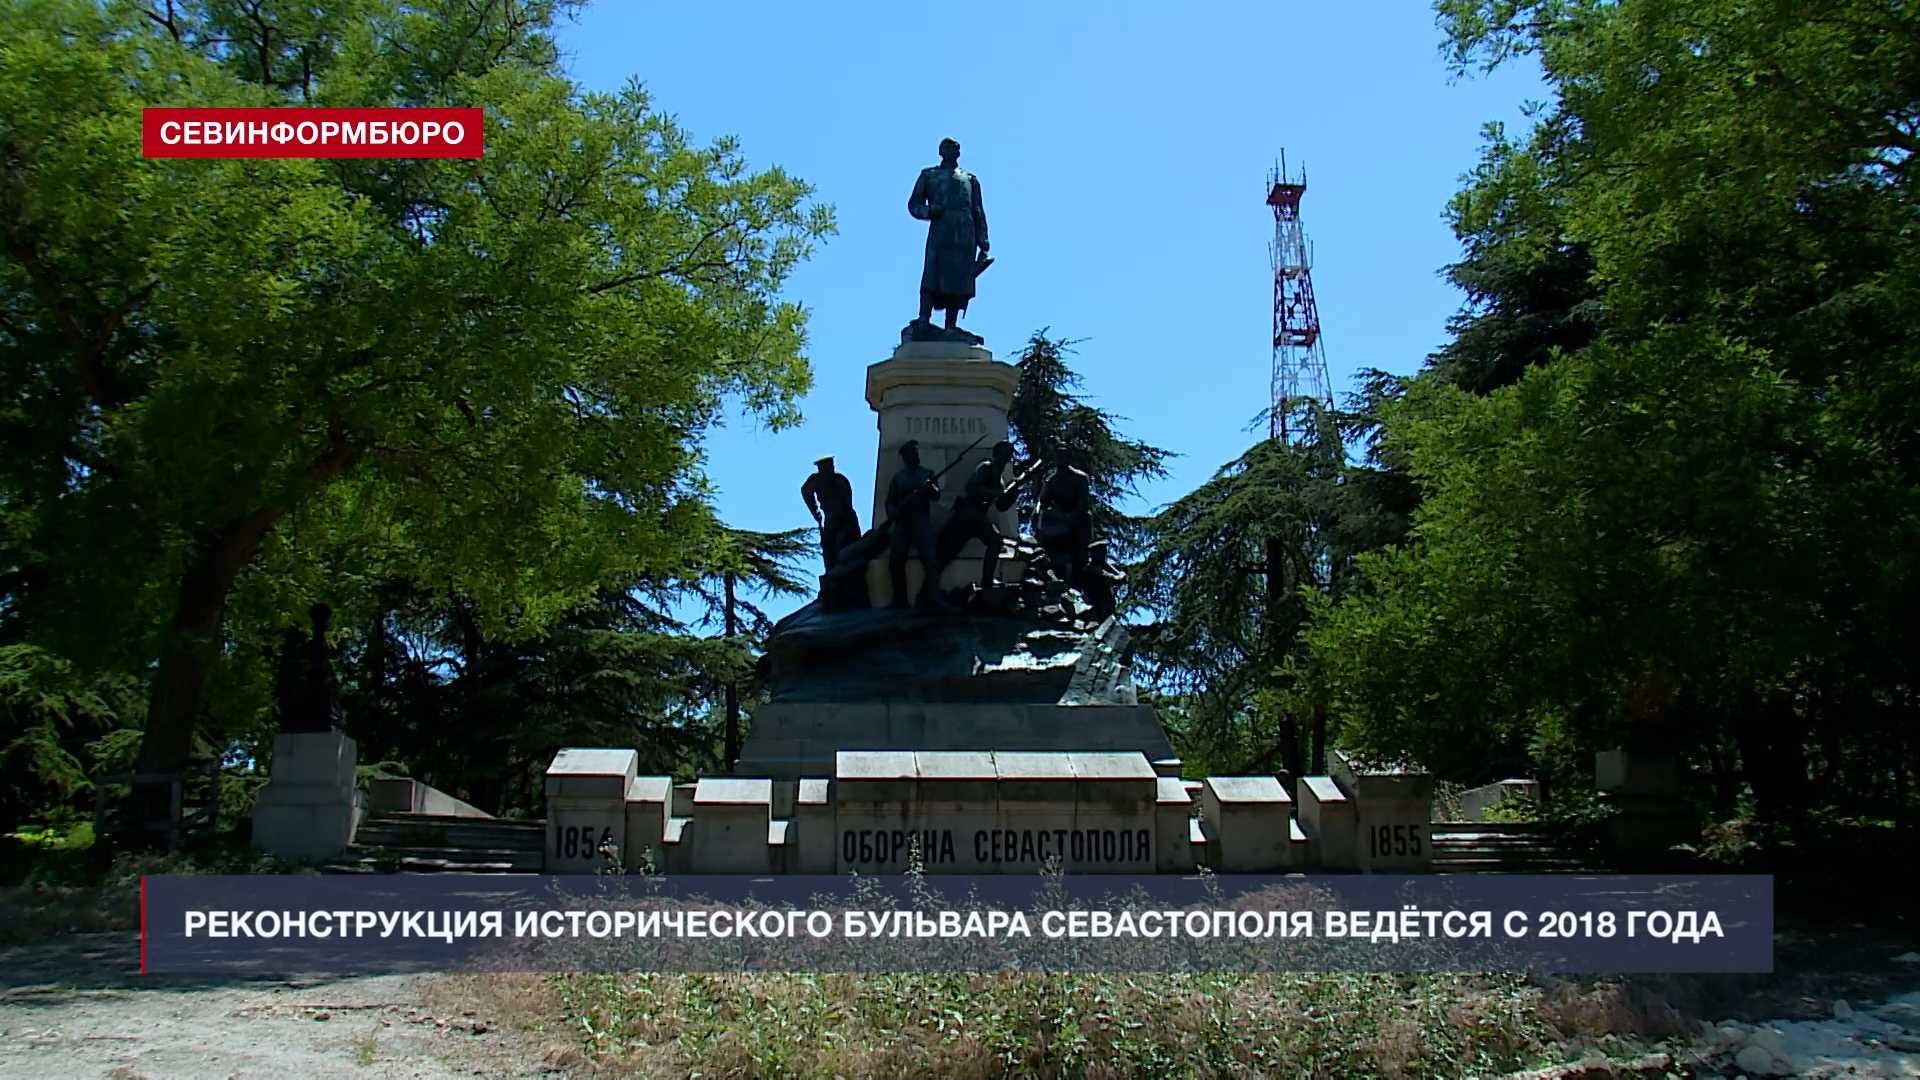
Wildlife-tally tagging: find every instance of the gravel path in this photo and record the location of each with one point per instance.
(77, 1007)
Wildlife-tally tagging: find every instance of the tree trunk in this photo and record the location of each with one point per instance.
(732, 690)
(186, 659)
(194, 641)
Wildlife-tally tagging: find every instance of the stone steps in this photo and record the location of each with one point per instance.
(408, 842)
(1501, 848)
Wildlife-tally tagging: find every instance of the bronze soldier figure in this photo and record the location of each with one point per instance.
(973, 512)
(910, 498)
(1066, 522)
(829, 498)
(948, 198)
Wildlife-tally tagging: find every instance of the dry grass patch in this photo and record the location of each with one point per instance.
(1096, 1027)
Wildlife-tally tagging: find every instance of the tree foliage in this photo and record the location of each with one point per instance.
(1670, 488)
(232, 387)
(1050, 420)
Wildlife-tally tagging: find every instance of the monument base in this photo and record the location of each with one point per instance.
(311, 804)
(790, 740)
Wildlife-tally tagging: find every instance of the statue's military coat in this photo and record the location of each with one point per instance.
(950, 200)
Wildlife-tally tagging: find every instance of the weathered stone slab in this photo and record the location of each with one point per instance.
(813, 820)
(1248, 823)
(956, 780)
(314, 759)
(1172, 814)
(734, 817)
(311, 805)
(1125, 780)
(876, 776)
(577, 773)
(1393, 813)
(1327, 816)
(648, 805)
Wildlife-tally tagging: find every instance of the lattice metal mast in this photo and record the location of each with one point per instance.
(1299, 358)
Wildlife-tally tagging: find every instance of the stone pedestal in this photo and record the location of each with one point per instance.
(791, 740)
(311, 804)
(587, 807)
(1393, 814)
(1651, 814)
(1172, 818)
(734, 828)
(1248, 824)
(1326, 814)
(944, 396)
(647, 805)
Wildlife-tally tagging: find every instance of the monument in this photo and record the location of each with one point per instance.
(958, 695)
(311, 804)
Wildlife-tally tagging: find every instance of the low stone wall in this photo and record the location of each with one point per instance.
(982, 811)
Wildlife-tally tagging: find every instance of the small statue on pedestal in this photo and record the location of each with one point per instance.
(307, 699)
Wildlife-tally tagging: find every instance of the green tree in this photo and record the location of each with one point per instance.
(1050, 420)
(1684, 510)
(748, 562)
(1226, 582)
(235, 385)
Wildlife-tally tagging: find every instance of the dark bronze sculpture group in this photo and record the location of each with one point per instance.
(1062, 555)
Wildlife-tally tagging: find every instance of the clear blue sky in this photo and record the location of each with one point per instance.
(1122, 149)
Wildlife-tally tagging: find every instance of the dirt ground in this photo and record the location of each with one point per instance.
(76, 1006)
(1843, 1001)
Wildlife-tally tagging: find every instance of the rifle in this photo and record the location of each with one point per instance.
(935, 478)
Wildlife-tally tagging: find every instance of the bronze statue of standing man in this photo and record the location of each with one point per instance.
(947, 197)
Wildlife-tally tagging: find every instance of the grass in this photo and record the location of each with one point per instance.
(961, 1026)
(74, 887)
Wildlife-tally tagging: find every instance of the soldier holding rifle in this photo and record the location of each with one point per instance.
(973, 512)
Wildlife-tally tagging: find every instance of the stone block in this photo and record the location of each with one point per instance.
(304, 823)
(578, 773)
(876, 776)
(578, 828)
(1167, 766)
(1126, 781)
(733, 821)
(955, 781)
(1248, 822)
(1326, 814)
(1172, 815)
(813, 820)
(683, 800)
(311, 805)
(315, 759)
(1044, 777)
(1636, 772)
(648, 799)
(780, 845)
(1393, 814)
(679, 845)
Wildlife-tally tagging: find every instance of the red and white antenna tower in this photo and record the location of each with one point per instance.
(1299, 358)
